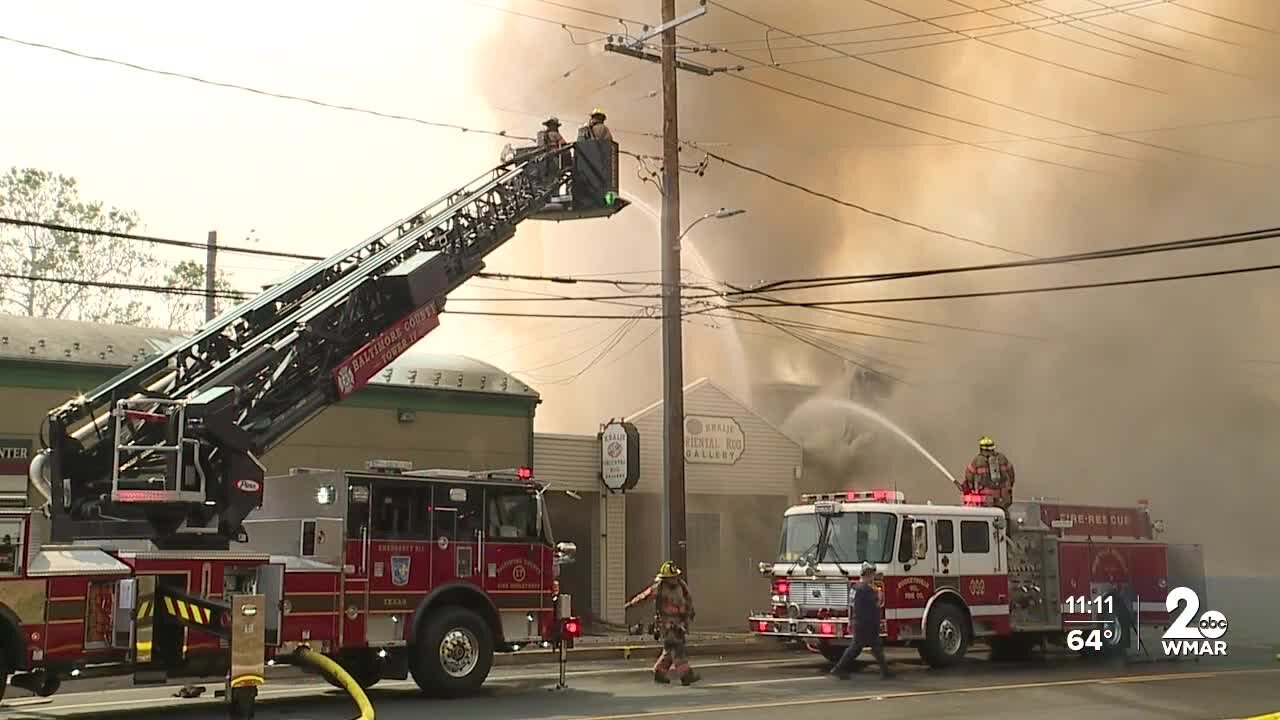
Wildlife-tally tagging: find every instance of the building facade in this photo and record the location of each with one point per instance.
(436, 411)
(740, 474)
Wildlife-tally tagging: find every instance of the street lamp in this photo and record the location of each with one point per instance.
(720, 214)
(673, 517)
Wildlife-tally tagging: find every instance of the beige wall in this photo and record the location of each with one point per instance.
(344, 438)
(497, 434)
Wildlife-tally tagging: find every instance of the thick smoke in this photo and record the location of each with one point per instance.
(1162, 391)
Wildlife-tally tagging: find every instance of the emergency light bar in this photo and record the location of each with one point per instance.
(881, 496)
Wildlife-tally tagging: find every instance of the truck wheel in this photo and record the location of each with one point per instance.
(947, 636)
(454, 652)
(1120, 622)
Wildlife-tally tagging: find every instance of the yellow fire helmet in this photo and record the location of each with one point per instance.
(667, 570)
(598, 112)
(986, 443)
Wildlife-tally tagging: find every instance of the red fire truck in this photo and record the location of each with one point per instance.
(951, 574)
(126, 561)
(423, 573)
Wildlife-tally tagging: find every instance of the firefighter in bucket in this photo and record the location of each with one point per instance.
(673, 611)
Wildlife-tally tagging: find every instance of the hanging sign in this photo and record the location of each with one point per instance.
(619, 456)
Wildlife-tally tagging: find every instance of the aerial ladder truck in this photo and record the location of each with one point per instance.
(147, 480)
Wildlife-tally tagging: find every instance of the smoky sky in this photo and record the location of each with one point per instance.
(1160, 391)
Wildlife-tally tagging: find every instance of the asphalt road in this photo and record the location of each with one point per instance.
(754, 687)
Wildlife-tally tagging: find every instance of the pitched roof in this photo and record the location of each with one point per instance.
(73, 342)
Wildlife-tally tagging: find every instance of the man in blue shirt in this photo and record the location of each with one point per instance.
(864, 619)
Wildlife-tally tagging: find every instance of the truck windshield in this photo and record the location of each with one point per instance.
(849, 538)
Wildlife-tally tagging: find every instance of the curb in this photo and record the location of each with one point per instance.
(627, 652)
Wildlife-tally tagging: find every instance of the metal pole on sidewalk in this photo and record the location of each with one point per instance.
(210, 275)
(673, 511)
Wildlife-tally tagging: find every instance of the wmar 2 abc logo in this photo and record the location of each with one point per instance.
(1189, 634)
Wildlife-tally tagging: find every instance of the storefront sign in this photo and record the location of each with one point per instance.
(619, 456)
(713, 440)
(15, 458)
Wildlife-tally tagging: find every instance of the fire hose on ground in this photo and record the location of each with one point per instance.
(307, 657)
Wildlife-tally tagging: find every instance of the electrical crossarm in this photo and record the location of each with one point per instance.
(169, 449)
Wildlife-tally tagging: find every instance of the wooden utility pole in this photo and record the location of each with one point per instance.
(210, 275)
(673, 512)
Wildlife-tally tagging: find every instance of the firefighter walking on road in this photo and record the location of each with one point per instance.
(990, 474)
(864, 616)
(673, 611)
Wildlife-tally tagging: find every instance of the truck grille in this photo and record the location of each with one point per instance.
(818, 594)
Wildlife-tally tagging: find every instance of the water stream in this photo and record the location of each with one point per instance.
(740, 382)
(820, 406)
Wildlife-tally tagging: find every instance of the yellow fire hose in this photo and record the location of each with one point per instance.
(307, 656)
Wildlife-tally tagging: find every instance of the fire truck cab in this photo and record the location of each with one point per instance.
(396, 572)
(950, 574)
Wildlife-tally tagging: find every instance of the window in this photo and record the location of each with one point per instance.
(512, 514)
(861, 537)
(799, 537)
(11, 548)
(946, 537)
(395, 515)
(357, 510)
(456, 512)
(906, 553)
(975, 536)
(308, 538)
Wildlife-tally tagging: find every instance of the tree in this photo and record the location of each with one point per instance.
(186, 311)
(32, 252)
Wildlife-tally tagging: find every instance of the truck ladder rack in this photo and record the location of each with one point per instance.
(168, 450)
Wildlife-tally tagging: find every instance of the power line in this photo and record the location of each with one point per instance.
(903, 126)
(898, 125)
(860, 208)
(1021, 53)
(259, 91)
(1224, 19)
(916, 108)
(1109, 253)
(932, 83)
(151, 239)
(1023, 291)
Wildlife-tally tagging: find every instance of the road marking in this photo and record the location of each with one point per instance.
(918, 693)
(289, 691)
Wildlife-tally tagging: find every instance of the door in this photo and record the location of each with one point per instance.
(512, 546)
(944, 546)
(271, 587)
(398, 552)
(355, 581)
(981, 582)
(456, 525)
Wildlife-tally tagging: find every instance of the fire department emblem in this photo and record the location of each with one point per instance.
(346, 380)
(517, 573)
(400, 570)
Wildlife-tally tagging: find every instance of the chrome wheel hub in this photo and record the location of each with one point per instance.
(459, 652)
(950, 636)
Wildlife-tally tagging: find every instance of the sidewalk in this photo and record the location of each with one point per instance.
(623, 647)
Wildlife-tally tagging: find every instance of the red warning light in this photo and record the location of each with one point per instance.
(763, 626)
(524, 473)
(826, 629)
(572, 627)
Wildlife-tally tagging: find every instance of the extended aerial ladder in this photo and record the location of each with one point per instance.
(169, 450)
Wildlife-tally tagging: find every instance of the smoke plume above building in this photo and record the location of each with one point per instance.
(1159, 123)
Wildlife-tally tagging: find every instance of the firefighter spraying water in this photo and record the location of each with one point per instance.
(989, 475)
(673, 612)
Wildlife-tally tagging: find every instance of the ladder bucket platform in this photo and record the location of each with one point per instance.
(561, 211)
